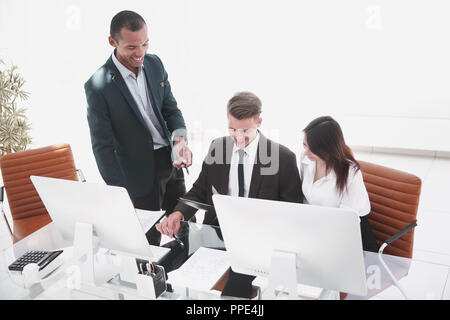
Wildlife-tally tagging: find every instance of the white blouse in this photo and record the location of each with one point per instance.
(323, 192)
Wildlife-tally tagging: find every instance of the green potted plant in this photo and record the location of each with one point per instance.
(14, 126)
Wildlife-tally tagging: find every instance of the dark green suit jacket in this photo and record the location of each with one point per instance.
(121, 142)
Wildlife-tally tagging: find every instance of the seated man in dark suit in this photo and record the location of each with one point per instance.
(244, 164)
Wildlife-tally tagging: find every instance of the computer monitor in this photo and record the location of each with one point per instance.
(107, 208)
(326, 241)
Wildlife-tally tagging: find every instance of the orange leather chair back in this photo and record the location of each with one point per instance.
(27, 210)
(394, 199)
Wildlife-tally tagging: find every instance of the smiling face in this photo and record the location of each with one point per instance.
(243, 131)
(311, 156)
(131, 47)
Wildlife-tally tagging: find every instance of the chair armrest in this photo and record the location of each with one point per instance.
(81, 175)
(397, 235)
(401, 232)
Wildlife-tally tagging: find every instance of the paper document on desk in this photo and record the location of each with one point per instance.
(202, 270)
(148, 218)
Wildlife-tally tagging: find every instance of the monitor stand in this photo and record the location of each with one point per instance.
(283, 274)
(84, 244)
(283, 279)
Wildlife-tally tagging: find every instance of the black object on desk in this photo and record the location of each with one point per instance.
(156, 272)
(42, 258)
(206, 207)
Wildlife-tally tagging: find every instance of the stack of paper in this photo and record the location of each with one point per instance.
(202, 270)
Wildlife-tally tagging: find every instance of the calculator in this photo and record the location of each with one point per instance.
(42, 258)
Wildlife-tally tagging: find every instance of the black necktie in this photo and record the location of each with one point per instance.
(241, 172)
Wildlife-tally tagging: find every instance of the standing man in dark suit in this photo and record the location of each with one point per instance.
(137, 131)
(244, 164)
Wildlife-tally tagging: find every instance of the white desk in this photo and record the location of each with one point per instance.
(419, 279)
(64, 282)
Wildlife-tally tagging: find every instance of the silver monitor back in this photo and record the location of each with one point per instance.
(326, 241)
(108, 208)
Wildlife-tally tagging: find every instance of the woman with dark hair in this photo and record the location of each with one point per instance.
(331, 176)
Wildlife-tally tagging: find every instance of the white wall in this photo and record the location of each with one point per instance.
(380, 67)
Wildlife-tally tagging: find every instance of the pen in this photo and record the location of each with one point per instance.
(150, 269)
(187, 170)
(184, 160)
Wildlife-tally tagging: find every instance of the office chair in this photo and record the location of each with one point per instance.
(394, 199)
(27, 210)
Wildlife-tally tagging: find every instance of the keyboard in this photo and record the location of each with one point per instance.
(42, 258)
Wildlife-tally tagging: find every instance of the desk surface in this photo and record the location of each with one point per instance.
(418, 279)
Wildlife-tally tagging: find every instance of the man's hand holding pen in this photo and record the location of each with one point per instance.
(183, 154)
(170, 225)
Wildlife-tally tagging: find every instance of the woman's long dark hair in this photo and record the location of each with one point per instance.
(325, 139)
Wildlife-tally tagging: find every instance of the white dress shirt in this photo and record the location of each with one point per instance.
(323, 192)
(248, 161)
(141, 95)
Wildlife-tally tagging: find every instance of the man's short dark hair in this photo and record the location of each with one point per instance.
(125, 19)
(244, 105)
